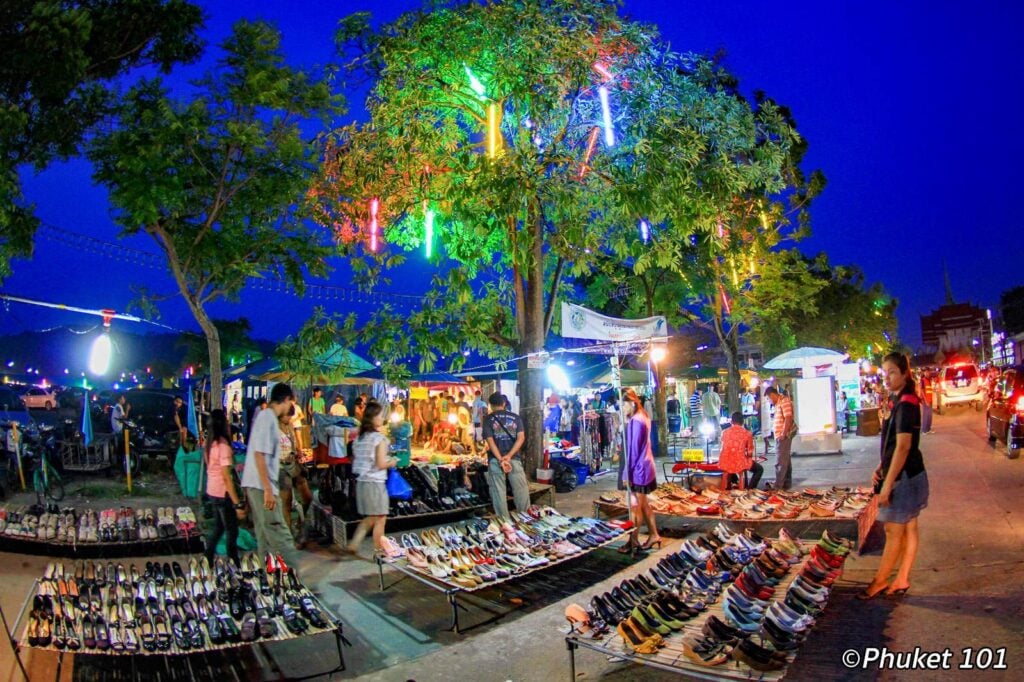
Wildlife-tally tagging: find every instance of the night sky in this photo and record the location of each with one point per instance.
(912, 110)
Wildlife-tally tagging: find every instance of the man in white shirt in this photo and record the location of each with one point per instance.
(338, 409)
(261, 475)
(118, 414)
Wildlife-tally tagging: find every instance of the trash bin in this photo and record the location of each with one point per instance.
(675, 423)
(654, 437)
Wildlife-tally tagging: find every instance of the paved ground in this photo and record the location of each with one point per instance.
(967, 590)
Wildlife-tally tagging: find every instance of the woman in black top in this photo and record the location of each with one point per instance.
(900, 480)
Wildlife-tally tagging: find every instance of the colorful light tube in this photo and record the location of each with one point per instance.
(606, 113)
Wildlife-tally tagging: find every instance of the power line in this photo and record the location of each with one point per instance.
(273, 282)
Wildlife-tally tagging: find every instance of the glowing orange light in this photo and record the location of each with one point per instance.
(591, 143)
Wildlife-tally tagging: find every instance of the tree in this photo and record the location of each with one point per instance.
(488, 122)
(60, 59)
(219, 181)
(845, 315)
(1011, 305)
(617, 289)
(236, 344)
(761, 198)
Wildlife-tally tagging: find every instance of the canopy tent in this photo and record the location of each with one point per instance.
(337, 366)
(798, 358)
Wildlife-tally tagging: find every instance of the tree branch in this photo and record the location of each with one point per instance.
(549, 312)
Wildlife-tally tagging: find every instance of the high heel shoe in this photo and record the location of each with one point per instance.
(634, 641)
(651, 544)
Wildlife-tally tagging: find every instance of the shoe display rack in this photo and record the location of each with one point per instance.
(124, 531)
(810, 510)
(92, 608)
(483, 553)
(727, 606)
(338, 529)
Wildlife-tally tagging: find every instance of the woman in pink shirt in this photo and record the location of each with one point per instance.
(228, 506)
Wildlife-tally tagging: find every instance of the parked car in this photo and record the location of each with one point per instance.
(13, 408)
(958, 384)
(38, 398)
(153, 413)
(1004, 420)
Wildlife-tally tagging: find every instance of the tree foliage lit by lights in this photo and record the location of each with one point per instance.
(59, 60)
(483, 114)
(219, 181)
(845, 314)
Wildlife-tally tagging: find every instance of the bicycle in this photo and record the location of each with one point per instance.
(46, 481)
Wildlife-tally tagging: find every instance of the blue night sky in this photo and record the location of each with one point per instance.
(911, 110)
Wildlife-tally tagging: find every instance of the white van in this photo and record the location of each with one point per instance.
(958, 383)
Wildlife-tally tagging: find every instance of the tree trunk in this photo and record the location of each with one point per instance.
(661, 410)
(216, 378)
(531, 398)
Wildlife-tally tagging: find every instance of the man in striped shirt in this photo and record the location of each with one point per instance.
(783, 438)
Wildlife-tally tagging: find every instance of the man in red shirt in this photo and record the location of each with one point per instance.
(737, 456)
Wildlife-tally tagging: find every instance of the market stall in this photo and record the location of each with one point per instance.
(169, 610)
(713, 637)
(119, 532)
(847, 511)
(485, 553)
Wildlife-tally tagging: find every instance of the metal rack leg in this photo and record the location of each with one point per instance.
(571, 646)
(453, 601)
(380, 571)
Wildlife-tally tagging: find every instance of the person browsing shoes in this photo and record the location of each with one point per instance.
(504, 434)
(638, 470)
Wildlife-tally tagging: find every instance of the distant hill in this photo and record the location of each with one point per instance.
(53, 351)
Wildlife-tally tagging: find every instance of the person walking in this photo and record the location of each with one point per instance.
(180, 417)
(639, 472)
(924, 393)
(711, 406)
(784, 429)
(370, 463)
(260, 478)
(292, 479)
(696, 412)
(900, 480)
(503, 431)
(737, 456)
(228, 505)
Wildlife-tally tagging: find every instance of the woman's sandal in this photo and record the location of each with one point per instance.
(865, 595)
(897, 593)
(651, 544)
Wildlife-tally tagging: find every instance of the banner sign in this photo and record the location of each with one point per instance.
(580, 323)
(419, 393)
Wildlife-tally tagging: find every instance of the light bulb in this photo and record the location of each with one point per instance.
(99, 357)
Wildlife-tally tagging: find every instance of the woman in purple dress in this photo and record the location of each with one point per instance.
(639, 471)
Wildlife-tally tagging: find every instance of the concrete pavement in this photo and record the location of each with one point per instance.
(967, 590)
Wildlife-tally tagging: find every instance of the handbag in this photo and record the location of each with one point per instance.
(398, 487)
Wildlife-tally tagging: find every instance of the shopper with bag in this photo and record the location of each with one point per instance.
(260, 478)
(504, 433)
(901, 482)
(370, 463)
(228, 505)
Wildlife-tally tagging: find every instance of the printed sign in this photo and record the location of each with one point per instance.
(581, 323)
(693, 455)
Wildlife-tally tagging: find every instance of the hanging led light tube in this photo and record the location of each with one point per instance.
(374, 227)
(428, 230)
(606, 113)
